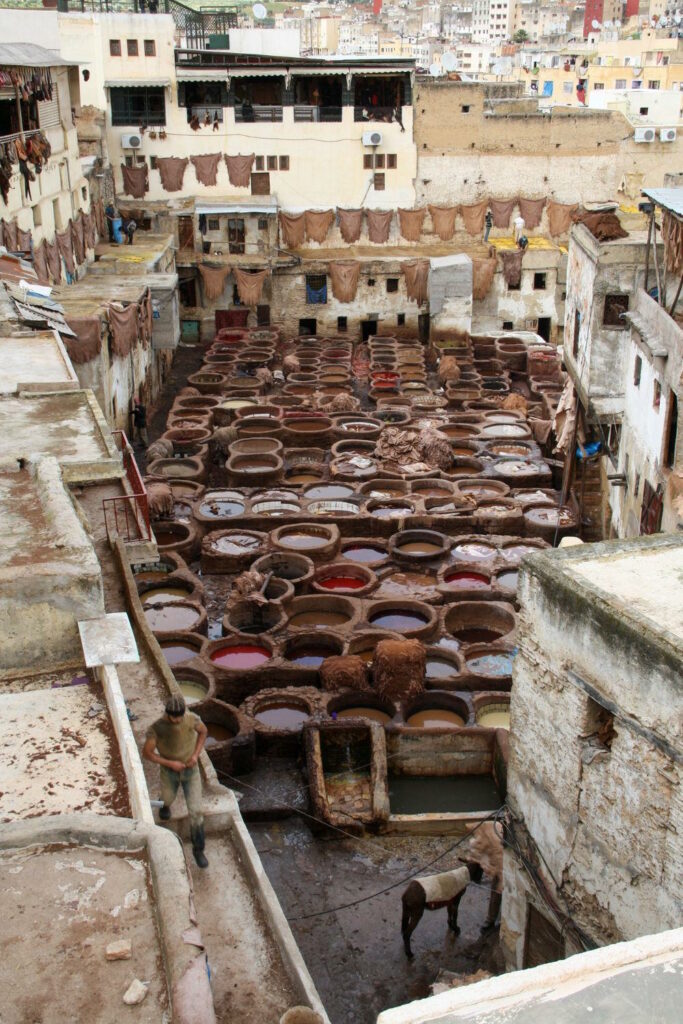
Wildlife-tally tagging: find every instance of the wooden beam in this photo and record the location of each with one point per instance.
(647, 249)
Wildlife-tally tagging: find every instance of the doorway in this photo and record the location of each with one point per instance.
(368, 328)
(236, 235)
(185, 233)
(263, 316)
(308, 326)
(423, 327)
(544, 327)
(543, 943)
(231, 318)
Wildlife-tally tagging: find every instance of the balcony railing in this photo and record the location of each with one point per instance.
(307, 112)
(257, 112)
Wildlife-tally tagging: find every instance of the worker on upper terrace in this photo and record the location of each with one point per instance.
(175, 742)
(488, 224)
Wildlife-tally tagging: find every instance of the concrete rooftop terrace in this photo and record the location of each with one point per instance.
(35, 361)
(144, 256)
(92, 294)
(68, 425)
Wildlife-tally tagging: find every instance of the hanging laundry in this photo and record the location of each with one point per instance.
(40, 262)
(502, 211)
(410, 222)
(318, 223)
(250, 285)
(293, 227)
(206, 168)
(23, 240)
(344, 276)
(443, 220)
(135, 181)
(483, 272)
(560, 217)
(10, 235)
(213, 280)
(473, 216)
(123, 324)
(171, 171)
(65, 244)
(512, 266)
(54, 261)
(239, 169)
(78, 240)
(379, 225)
(416, 273)
(532, 211)
(88, 341)
(350, 224)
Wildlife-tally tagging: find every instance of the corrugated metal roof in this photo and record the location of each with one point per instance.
(669, 198)
(28, 55)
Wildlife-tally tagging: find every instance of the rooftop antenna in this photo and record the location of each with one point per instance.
(259, 12)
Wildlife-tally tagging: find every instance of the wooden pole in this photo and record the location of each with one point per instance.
(569, 459)
(676, 297)
(660, 297)
(647, 249)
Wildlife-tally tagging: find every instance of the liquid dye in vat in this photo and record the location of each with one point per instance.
(494, 719)
(235, 544)
(467, 580)
(510, 449)
(328, 492)
(509, 580)
(420, 547)
(398, 621)
(479, 490)
(173, 653)
(240, 656)
(166, 537)
(374, 714)
(433, 492)
(303, 541)
(474, 550)
(391, 511)
(342, 583)
(424, 794)
(310, 657)
(386, 492)
(282, 716)
(404, 584)
(217, 734)
(440, 668)
(168, 618)
(163, 595)
(192, 691)
(221, 508)
(318, 619)
(477, 635)
(153, 576)
(300, 479)
(499, 664)
(435, 718)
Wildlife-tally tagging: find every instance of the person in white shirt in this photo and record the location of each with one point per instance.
(519, 226)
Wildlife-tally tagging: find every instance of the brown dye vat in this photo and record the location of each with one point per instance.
(481, 490)
(282, 716)
(318, 619)
(150, 577)
(510, 450)
(166, 537)
(420, 547)
(176, 651)
(435, 718)
(164, 595)
(374, 714)
(477, 636)
(301, 479)
(171, 618)
(432, 491)
(217, 734)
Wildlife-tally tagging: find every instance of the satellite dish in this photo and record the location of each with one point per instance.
(259, 11)
(617, 24)
(608, 24)
(595, 23)
(435, 70)
(449, 61)
(498, 69)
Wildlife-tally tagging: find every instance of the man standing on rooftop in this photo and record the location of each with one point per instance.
(175, 742)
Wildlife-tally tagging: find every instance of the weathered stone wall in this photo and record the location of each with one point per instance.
(606, 821)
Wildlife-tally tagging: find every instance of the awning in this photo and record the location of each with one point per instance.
(136, 83)
(28, 55)
(202, 75)
(209, 210)
(256, 71)
(670, 199)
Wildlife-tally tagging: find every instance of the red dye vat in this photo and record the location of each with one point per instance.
(240, 656)
(342, 583)
(467, 580)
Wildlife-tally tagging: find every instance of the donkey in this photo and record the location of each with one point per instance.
(432, 892)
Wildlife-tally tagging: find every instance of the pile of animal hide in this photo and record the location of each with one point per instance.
(222, 438)
(342, 402)
(160, 449)
(409, 450)
(449, 369)
(290, 364)
(264, 375)
(247, 587)
(343, 672)
(515, 402)
(399, 669)
(159, 499)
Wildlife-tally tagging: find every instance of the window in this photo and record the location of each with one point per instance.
(671, 432)
(465, 108)
(653, 84)
(150, 48)
(392, 284)
(400, 319)
(263, 316)
(141, 105)
(539, 282)
(152, 162)
(367, 161)
(236, 235)
(37, 217)
(656, 396)
(644, 111)
(615, 305)
(272, 163)
(598, 85)
(637, 369)
(371, 282)
(598, 730)
(380, 160)
(187, 291)
(378, 183)
(284, 163)
(342, 325)
(235, 296)
(507, 325)
(567, 87)
(316, 289)
(114, 47)
(263, 223)
(391, 161)
(132, 47)
(259, 164)
(129, 161)
(214, 224)
(620, 83)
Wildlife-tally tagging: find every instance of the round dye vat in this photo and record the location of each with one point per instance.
(300, 479)
(477, 635)
(385, 492)
(439, 668)
(474, 550)
(328, 492)
(391, 511)
(499, 664)
(220, 505)
(156, 576)
(282, 716)
(240, 656)
(398, 621)
(236, 544)
(433, 492)
(479, 490)
(364, 553)
(374, 714)
(310, 657)
(562, 516)
(164, 595)
(463, 452)
(167, 618)
(510, 449)
(182, 510)
(166, 537)
(505, 430)
(341, 583)
(217, 734)
(508, 580)
(236, 403)
(318, 619)
(494, 719)
(274, 508)
(175, 652)
(303, 541)
(467, 580)
(420, 547)
(405, 584)
(192, 692)
(326, 508)
(435, 718)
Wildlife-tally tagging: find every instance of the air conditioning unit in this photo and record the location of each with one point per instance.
(131, 140)
(667, 134)
(372, 138)
(644, 135)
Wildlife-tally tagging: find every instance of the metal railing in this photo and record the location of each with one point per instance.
(258, 112)
(127, 515)
(310, 112)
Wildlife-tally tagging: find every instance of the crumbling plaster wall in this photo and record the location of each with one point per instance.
(516, 306)
(608, 827)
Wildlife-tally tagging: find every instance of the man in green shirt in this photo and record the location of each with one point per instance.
(175, 742)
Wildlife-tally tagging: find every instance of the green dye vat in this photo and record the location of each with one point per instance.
(455, 794)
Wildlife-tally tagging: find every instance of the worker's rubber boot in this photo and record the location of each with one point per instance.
(164, 813)
(198, 843)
